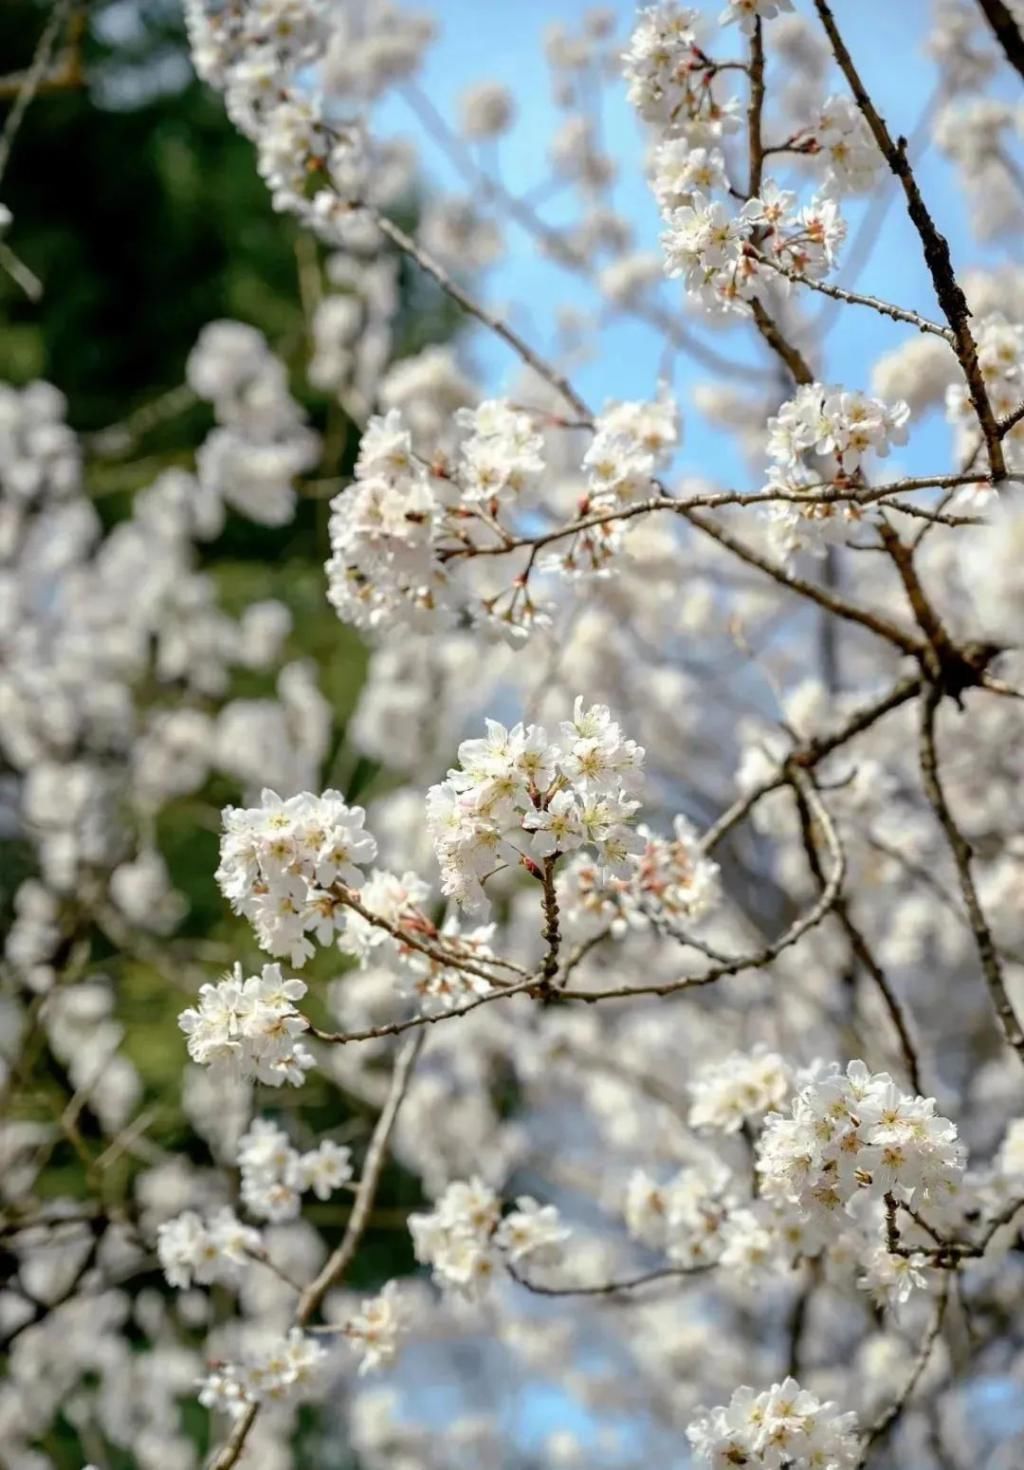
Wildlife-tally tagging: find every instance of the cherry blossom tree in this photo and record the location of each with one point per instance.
(673, 956)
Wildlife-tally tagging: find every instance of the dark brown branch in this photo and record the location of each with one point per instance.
(1005, 30)
(812, 753)
(415, 1023)
(610, 1288)
(926, 617)
(794, 360)
(857, 298)
(552, 932)
(960, 848)
(755, 110)
(948, 291)
(825, 599)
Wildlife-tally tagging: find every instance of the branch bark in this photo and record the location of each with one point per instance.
(937, 257)
(1009, 1022)
(1006, 31)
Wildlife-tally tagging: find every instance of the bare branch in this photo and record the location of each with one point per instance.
(888, 1417)
(856, 298)
(960, 848)
(861, 948)
(511, 338)
(611, 1288)
(802, 925)
(1006, 31)
(340, 1260)
(935, 246)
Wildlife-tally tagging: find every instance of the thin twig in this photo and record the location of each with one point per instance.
(889, 1416)
(812, 753)
(960, 848)
(31, 80)
(610, 1288)
(856, 298)
(861, 948)
(414, 1023)
(340, 1260)
(795, 931)
(511, 338)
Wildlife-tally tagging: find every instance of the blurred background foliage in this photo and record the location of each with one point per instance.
(139, 208)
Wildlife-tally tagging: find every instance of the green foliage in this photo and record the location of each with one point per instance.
(143, 222)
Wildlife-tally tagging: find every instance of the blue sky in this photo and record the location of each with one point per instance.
(502, 40)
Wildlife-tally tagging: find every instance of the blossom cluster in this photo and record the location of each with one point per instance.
(631, 442)
(464, 1238)
(746, 13)
(841, 139)
(95, 746)
(374, 1330)
(285, 865)
(206, 1252)
(516, 786)
(288, 1369)
(784, 1425)
(262, 58)
(249, 1028)
(840, 426)
(665, 70)
(260, 444)
(724, 258)
(821, 438)
(854, 1135)
(740, 1088)
(383, 564)
(672, 882)
(396, 531)
(724, 255)
(39, 453)
(275, 1175)
(689, 1216)
(427, 957)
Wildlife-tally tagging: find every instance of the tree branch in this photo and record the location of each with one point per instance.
(1005, 30)
(960, 848)
(935, 246)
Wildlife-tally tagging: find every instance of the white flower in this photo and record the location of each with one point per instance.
(728, 1093)
(516, 786)
(746, 12)
(375, 1329)
(325, 1168)
(532, 1232)
(281, 864)
(249, 1028)
(191, 1250)
(855, 1135)
(848, 147)
(654, 63)
(456, 1239)
(784, 1425)
(289, 1369)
